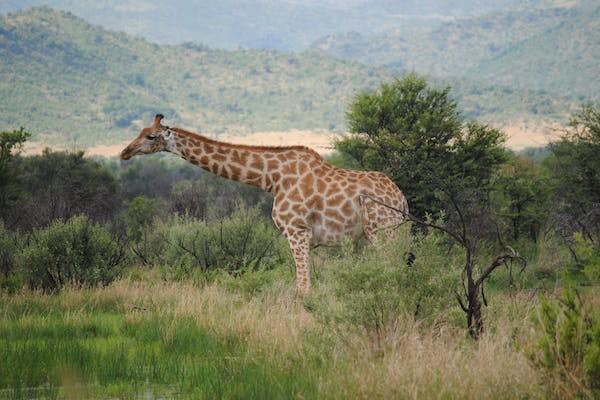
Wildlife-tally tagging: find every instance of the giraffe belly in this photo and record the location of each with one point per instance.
(323, 235)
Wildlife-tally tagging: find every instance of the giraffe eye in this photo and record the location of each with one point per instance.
(151, 137)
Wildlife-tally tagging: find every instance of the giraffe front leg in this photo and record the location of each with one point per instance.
(299, 242)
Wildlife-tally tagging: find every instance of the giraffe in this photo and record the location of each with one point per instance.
(315, 203)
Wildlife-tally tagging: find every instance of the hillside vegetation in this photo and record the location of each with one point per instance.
(74, 84)
(281, 24)
(82, 84)
(545, 49)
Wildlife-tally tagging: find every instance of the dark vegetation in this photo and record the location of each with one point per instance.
(479, 214)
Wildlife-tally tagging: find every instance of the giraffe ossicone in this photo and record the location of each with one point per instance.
(315, 203)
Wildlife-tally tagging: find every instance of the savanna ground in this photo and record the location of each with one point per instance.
(211, 335)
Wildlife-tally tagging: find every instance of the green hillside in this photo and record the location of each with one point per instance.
(552, 50)
(563, 59)
(280, 24)
(78, 83)
(75, 84)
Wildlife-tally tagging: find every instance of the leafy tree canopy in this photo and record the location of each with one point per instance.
(575, 172)
(415, 134)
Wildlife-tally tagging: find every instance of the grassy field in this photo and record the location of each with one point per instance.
(145, 336)
(171, 339)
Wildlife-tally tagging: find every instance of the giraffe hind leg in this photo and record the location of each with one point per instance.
(378, 218)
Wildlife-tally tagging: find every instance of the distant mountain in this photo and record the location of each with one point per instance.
(72, 83)
(263, 24)
(564, 59)
(546, 49)
(82, 84)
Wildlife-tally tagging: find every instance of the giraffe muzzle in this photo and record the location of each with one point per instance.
(127, 153)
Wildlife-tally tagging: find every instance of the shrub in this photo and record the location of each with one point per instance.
(10, 281)
(10, 284)
(8, 249)
(589, 258)
(255, 282)
(75, 251)
(568, 345)
(245, 241)
(377, 286)
(139, 214)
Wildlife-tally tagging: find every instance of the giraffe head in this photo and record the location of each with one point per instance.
(152, 139)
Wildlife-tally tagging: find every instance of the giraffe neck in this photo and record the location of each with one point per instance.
(252, 165)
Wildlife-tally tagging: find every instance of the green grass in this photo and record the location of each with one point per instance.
(55, 352)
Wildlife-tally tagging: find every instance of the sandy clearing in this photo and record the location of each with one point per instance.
(520, 135)
(321, 141)
(523, 134)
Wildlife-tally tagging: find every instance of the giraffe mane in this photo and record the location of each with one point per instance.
(246, 146)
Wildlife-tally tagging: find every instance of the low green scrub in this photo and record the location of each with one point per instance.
(251, 283)
(568, 345)
(8, 250)
(408, 276)
(10, 280)
(76, 251)
(243, 242)
(588, 263)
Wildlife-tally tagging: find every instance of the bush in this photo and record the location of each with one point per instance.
(584, 268)
(62, 185)
(568, 345)
(139, 214)
(589, 258)
(10, 281)
(255, 282)
(11, 284)
(246, 241)
(374, 288)
(75, 251)
(8, 250)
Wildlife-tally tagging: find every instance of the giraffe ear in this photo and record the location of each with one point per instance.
(157, 119)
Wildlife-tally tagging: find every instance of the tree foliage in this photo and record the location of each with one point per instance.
(11, 143)
(415, 134)
(60, 185)
(521, 197)
(574, 168)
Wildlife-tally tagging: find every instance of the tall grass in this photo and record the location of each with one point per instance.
(250, 336)
(117, 340)
(175, 339)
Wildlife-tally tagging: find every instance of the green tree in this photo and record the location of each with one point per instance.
(138, 215)
(521, 196)
(61, 185)
(11, 142)
(415, 134)
(574, 168)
